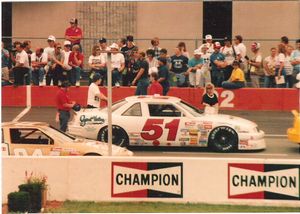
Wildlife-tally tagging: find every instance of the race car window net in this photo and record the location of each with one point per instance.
(29, 136)
(134, 110)
(163, 110)
(191, 109)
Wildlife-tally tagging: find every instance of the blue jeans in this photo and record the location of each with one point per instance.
(75, 75)
(142, 86)
(64, 117)
(38, 76)
(233, 85)
(116, 76)
(269, 82)
(217, 78)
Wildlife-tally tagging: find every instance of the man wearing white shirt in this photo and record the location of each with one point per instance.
(39, 60)
(208, 43)
(241, 48)
(22, 65)
(117, 64)
(94, 94)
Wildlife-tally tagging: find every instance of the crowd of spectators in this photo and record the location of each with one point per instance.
(228, 66)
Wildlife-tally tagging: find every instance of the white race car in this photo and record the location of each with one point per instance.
(169, 122)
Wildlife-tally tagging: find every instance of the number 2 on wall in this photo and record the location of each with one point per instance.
(154, 125)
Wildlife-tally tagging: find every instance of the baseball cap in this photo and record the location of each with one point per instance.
(217, 45)
(114, 45)
(208, 36)
(67, 43)
(51, 37)
(129, 38)
(197, 52)
(102, 40)
(96, 77)
(255, 45)
(73, 20)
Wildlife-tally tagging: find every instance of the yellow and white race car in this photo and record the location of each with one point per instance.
(168, 122)
(37, 138)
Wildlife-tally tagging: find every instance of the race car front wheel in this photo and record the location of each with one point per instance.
(223, 139)
(119, 136)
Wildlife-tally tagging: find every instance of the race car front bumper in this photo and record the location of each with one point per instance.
(252, 141)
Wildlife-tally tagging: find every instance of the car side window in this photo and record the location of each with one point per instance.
(29, 136)
(163, 110)
(134, 110)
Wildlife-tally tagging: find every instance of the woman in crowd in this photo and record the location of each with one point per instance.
(279, 67)
(237, 78)
(182, 48)
(97, 64)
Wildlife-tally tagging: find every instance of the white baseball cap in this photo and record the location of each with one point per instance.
(114, 45)
(67, 43)
(197, 52)
(51, 37)
(208, 36)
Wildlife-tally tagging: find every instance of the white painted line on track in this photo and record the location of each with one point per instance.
(28, 105)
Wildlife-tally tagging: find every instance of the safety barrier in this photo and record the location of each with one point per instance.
(197, 180)
(241, 99)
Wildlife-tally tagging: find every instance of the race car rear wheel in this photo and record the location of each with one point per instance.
(119, 136)
(92, 154)
(223, 139)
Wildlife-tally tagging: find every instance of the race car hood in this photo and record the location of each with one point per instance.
(223, 119)
(102, 147)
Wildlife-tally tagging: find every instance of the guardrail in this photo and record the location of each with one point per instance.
(263, 99)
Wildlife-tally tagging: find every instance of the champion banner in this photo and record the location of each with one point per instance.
(147, 180)
(263, 181)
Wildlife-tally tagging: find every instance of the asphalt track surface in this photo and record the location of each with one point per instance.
(273, 123)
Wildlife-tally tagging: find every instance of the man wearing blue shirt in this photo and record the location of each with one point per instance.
(218, 65)
(295, 60)
(194, 72)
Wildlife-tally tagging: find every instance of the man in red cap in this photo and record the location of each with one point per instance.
(63, 105)
(74, 33)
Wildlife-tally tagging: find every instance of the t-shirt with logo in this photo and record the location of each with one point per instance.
(93, 100)
(99, 59)
(74, 32)
(42, 58)
(179, 64)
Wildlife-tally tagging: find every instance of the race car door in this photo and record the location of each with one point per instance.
(29, 141)
(163, 124)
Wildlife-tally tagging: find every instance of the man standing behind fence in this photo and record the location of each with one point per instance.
(22, 65)
(74, 33)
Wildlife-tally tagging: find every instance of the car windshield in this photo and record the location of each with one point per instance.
(191, 109)
(57, 133)
(116, 105)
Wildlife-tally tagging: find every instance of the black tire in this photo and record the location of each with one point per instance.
(223, 139)
(119, 136)
(92, 154)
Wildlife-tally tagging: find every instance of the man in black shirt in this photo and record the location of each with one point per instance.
(141, 78)
(127, 51)
(179, 65)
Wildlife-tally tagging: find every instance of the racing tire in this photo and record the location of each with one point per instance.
(223, 139)
(119, 136)
(92, 154)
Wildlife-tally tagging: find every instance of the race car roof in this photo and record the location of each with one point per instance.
(153, 98)
(24, 124)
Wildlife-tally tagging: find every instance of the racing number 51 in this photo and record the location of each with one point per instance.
(155, 126)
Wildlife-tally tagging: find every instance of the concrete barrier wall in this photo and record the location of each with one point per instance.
(205, 180)
(241, 99)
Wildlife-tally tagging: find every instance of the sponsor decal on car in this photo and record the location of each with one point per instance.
(147, 180)
(91, 120)
(263, 181)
